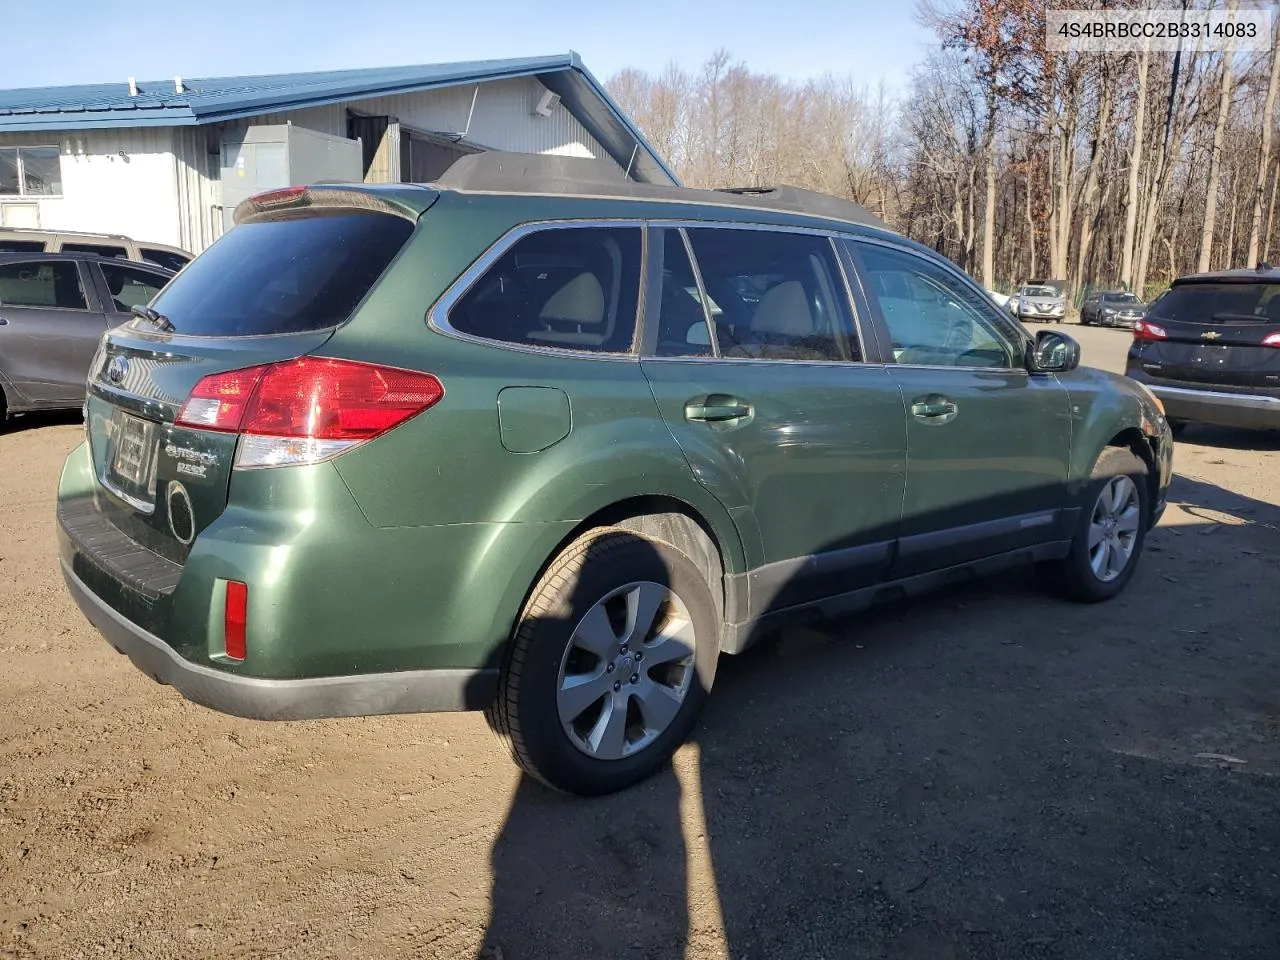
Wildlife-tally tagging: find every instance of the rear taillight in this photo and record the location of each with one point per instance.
(1271, 340)
(235, 618)
(306, 410)
(1146, 330)
(219, 402)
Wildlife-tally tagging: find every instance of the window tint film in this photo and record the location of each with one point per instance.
(933, 318)
(130, 287)
(283, 276)
(164, 258)
(97, 249)
(1216, 302)
(574, 288)
(682, 323)
(774, 296)
(36, 284)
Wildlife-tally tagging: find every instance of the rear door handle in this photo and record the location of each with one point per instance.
(4, 321)
(934, 409)
(717, 408)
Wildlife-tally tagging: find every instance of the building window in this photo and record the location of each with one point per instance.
(30, 172)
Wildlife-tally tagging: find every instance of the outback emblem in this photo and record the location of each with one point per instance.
(117, 368)
(1211, 335)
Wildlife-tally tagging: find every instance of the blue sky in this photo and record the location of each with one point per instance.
(91, 41)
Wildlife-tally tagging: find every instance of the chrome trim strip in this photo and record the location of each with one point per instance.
(1240, 399)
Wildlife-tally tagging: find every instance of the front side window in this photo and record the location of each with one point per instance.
(30, 172)
(130, 287)
(50, 284)
(934, 319)
(774, 295)
(572, 288)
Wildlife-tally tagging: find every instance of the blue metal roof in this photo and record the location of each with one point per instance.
(217, 99)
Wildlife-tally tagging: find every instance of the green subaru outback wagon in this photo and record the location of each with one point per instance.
(541, 441)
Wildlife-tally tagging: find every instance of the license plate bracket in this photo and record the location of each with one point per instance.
(131, 459)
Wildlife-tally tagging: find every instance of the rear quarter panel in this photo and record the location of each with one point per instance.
(449, 465)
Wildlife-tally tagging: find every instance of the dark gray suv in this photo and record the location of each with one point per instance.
(54, 309)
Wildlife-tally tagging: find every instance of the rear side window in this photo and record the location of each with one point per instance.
(130, 287)
(774, 296)
(573, 288)
(21, 246)
(97, 249)
(50, 284)
(290, 275)
(164, 258)
(1217, 302)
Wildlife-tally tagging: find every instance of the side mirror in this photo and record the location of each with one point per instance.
(1052, 352)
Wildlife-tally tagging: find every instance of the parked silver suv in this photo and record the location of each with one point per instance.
(54, 309)
(22, 240)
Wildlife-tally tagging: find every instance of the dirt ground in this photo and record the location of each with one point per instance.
(985, 773)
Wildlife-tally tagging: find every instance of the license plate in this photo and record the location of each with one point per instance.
(133, 454)
(1212, 354)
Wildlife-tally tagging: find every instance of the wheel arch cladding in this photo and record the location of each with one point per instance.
(712, 547)
(1141, 446)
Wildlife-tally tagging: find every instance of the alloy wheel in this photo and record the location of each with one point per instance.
(1113, 528)
(626, 671)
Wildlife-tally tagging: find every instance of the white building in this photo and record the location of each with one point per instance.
(165, 162)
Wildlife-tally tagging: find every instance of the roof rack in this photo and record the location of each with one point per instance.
(532, 173)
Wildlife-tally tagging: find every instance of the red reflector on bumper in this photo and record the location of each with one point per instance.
(236, 616)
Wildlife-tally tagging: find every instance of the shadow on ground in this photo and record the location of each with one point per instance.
(983, 773)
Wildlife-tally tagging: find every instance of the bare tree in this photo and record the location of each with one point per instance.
(1264, 158)
(1215, 158)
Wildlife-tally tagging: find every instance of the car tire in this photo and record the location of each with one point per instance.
(1114, 512)
(641, 596)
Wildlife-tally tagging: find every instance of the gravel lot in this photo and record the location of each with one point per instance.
(986, 773)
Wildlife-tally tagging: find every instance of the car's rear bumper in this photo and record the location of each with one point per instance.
(1250, 411)
(408, 691)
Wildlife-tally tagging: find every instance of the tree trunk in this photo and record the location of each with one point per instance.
(1231, 233)
(1100, 130)
(1155, 190)
(1271, 213)
(972, 228)
(989, 212)
(1264, 160)
(1135, 162)
(1215, 161)
(1031, 225)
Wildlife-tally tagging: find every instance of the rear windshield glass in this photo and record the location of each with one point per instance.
(1203, 302)
(283, 276)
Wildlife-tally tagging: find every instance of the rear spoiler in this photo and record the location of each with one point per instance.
(401, 200)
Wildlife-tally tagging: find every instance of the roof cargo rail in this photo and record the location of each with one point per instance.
(532, 173)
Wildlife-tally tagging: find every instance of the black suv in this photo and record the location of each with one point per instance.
(1210, 349)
